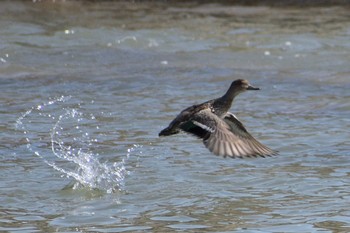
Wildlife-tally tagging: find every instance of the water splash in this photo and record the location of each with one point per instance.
(65, 131)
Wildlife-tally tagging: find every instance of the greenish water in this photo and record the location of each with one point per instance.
(85, 87)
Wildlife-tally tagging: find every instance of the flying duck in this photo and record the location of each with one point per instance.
(222, 133)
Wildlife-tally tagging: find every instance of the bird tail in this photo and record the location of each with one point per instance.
(168, 131)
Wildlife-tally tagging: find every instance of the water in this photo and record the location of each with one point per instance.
(71, 142)
(85, 87)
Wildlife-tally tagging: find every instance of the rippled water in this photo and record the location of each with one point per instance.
(85, 87)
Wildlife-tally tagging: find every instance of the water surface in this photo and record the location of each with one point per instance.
(85, 87)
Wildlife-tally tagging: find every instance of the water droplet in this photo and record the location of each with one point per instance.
(152, 43)
(67, 32)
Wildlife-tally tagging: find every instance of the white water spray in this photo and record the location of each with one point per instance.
(69, 140)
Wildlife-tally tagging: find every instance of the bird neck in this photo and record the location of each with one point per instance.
(224, 103)
(231, 93)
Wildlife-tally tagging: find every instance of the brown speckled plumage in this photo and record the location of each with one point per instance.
(222, 133)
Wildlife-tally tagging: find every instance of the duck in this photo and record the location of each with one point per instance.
(220, 130)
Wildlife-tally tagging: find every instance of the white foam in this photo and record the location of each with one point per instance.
(71, 145)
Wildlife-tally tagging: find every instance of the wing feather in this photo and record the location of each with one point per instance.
(228, 137)
(225, 137)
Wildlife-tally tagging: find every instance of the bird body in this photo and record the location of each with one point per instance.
(222, 133)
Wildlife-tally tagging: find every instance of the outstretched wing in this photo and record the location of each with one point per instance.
(226, 137)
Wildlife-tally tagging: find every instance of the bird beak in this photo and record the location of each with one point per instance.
(252, 88)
